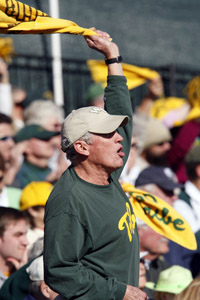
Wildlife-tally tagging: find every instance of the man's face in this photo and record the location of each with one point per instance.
(106, 151)
(152, 242)
(41, 148)
(156, 154)
(2, 179)
(6, 145)
(52, 124)
(13, 243)
(165, 195)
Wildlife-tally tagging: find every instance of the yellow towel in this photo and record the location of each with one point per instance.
(160, 216)
(16, 17)
(135, 75)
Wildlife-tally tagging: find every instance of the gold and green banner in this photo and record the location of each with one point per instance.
(135, 75)
(160, 216)
(16, 17)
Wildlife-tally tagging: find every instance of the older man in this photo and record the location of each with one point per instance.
(188, 205)
(156, 247)
(91, 248)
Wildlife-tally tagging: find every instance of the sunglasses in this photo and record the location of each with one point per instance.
(162, 143)
(5, 138)
(168, 193)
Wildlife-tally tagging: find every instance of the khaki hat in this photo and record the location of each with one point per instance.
(156, 133)
(35, 193)
(89, 119)
(34, 131)
(193, 155)
(36, 269)
(172, 280)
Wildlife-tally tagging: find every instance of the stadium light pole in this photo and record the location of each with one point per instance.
(57, 57)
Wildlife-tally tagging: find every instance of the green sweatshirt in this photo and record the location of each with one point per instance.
(91, 246)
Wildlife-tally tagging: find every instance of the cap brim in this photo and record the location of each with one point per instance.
(173, 290)
(150, 285)
(169, 186)
(19, 137)
(47, 135)
(109, 124)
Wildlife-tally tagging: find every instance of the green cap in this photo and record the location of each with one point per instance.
(34, 131)
(172, 280)
(193, 155)
(95, 90)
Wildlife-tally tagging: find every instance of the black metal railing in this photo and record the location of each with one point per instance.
(34, 74)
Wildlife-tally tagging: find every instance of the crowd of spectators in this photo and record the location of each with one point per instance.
(162, 161)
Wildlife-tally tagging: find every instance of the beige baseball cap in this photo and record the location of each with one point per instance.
(156, 132)
(89, 119)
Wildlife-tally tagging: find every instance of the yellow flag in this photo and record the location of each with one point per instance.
(160, 216)
(6, 49)
(163, 106)
(16, 17)
(135, 75)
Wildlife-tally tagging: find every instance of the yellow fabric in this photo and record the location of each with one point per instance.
(6, 48)
(163, 106)
(136, 76)
(192, 91)
(16, 17)
(35, 193)
(160, 216)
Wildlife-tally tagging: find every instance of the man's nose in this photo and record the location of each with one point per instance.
(10, 142)
(118, 137)
(24, 240)
(167, 145)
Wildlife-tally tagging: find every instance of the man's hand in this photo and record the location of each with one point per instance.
(15, 162)
(156, 88)
(103, 44)
(133, 293)
(16, 263)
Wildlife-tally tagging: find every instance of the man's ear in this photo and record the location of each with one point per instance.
(81, 147)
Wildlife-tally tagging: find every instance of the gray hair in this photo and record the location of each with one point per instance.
(41, 110)
(70, 151)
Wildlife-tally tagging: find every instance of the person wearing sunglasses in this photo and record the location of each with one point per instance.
(6, 134)
(10, 151)
(38, 149)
